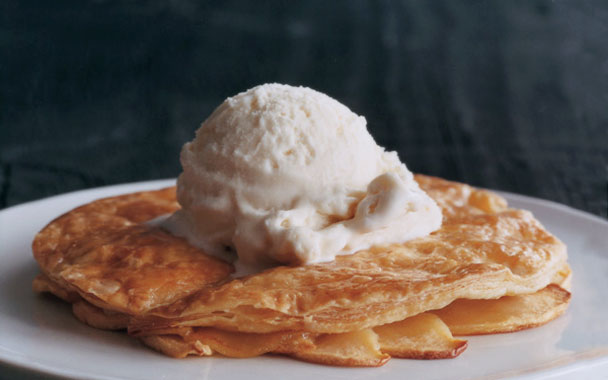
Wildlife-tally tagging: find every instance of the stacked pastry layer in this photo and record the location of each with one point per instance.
(489, 269)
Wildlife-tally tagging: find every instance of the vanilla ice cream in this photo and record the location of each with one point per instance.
(285, 174)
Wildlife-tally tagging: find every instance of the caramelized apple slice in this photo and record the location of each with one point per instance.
(352, 349)
(245, 345)
(175, 346)
(506, 314)
(423, 336)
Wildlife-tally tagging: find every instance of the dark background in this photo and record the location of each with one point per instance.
(509, 95)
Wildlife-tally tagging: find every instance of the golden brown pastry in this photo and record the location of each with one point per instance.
(356, 310)
(103, 252)
(483, 250)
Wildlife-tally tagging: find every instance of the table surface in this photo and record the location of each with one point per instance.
(505, 95)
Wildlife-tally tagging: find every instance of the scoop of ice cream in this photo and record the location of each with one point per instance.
(287, 174)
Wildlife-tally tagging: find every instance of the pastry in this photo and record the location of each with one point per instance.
(119, 270)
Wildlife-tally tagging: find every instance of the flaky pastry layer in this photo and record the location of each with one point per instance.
(117, 270)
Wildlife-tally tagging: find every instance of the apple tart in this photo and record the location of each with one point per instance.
(488, 269)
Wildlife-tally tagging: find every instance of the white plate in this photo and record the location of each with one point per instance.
(39, 334)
